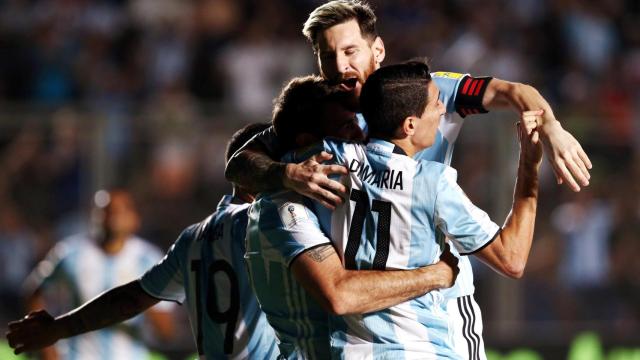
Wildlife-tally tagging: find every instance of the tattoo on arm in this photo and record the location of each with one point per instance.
(255, 170)
(321, 253)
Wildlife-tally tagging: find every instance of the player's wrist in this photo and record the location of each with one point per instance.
(527, 183)
(548, 124)
(66, 326)
(441, 273)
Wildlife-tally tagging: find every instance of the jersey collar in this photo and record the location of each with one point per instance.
(384, 146)
(225, 201)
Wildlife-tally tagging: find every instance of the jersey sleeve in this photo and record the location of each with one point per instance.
(467, 226)
(165, 280)
(461, 93)
(291, 227)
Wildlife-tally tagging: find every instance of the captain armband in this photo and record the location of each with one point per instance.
(469, 95)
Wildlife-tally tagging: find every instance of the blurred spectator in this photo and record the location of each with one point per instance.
(586, 226)
(81, 267)
(18, 252)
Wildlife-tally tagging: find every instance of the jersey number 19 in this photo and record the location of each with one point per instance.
(229, 316)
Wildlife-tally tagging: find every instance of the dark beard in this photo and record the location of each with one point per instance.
(353, 103)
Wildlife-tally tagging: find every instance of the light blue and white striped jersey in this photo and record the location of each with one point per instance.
(206, 267)
(301, 325)
(452, 87)
(459, 93)
(400, 213)
(84, 270)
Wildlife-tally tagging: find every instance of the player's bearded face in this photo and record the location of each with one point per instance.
(347, 59)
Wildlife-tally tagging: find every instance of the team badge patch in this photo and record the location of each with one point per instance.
(291, 214)
(446, 74)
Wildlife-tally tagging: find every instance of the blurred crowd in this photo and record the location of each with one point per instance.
(143, 94)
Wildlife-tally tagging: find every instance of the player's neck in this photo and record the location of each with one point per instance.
(242, 195)
(114, 245)
(406, 145)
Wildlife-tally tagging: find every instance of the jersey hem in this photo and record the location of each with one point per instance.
(158, 297)
(485, 245)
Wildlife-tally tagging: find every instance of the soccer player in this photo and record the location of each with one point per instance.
(298, 287)
(85, 265)
(348, 49)
(401, 214)
(204, 267)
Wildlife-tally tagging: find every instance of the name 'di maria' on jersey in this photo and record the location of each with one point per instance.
(383, 179)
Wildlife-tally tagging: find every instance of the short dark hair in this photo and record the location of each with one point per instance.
(337, 12)
(391, 94)
(240, 137)
(299, 108)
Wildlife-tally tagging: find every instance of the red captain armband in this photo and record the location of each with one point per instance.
(469, 95)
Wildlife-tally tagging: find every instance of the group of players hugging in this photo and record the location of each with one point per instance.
(346, 235)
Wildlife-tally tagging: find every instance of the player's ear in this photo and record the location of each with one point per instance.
(378, 50)
(408, 127)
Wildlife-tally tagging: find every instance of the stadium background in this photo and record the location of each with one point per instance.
(145, 93)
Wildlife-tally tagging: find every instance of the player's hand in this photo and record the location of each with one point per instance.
(530, 121)
(35, 331)
(570, 163)
(530, 146)
(310, 178)
(449, 264)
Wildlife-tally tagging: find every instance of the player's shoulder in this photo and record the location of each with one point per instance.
(235, 211)
(62, 250)
(343, 147)
(268, 201)
(334, 141)
(70, 245)
(455, 76)
(435, 171)
(193, 231)
(269, 207)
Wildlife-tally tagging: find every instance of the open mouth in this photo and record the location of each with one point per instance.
(349, 84)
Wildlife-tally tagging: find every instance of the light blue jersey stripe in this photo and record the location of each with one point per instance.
(300, 323)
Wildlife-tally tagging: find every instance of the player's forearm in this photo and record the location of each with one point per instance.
(364, 291)
(517, 233)
(521, 97)
(255, 170)
(109, 308)
(342, 292)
